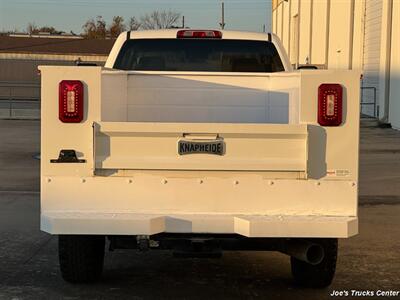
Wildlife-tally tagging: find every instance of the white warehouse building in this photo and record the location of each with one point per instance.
(348, 34)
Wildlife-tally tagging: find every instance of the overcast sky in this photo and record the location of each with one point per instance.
(71, 14)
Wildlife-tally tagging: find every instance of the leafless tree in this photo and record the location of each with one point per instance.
(117, 26)
(160, 19)
(95, 29)
(89, 29)
(134, 24)
(31, 28)
(101, 27)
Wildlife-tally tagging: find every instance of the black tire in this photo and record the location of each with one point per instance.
(321, 275)
(81, 257)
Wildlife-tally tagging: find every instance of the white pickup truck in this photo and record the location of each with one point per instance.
(199, 141)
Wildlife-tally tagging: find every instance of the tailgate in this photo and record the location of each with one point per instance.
(155, 146)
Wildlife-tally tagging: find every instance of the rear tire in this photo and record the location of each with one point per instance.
(320, 275)
(81, 257)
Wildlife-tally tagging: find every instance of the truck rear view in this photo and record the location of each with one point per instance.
(199, 141)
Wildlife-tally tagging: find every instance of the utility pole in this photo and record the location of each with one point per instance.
(183, 21)
(222, 24)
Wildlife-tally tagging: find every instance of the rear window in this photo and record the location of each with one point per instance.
(199, 55)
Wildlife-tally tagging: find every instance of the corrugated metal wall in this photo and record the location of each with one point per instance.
(371, 52)
(361, 35)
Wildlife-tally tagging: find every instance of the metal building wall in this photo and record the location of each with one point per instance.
(336, 35)
(351, 34)
(328, 31)
(371, 55)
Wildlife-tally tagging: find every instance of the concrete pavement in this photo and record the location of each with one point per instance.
(29, 265)
(19, 142)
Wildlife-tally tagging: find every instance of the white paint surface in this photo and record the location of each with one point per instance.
(295, 180)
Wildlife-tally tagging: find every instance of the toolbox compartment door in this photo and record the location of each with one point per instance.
(155, 146)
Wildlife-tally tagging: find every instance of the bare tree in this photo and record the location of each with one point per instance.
(31, 28)
(89, 29)
(117, 26)
(134, 24)
(160, 19)
(101, 27)
(95, 29)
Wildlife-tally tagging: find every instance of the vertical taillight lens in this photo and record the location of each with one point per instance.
(70, 101)
(330, 104)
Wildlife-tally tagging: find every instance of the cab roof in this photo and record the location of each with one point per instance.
(172, 33)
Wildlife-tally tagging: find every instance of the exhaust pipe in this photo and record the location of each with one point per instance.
(303, 250)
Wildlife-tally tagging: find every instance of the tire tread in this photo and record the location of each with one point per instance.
(321, 275)
(81, 257)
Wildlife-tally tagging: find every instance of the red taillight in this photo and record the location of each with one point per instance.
(199, 34)
(330, 104)
(70, 109)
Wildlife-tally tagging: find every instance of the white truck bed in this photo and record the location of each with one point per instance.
(282, 174)
(208, 141)
(198, 97)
